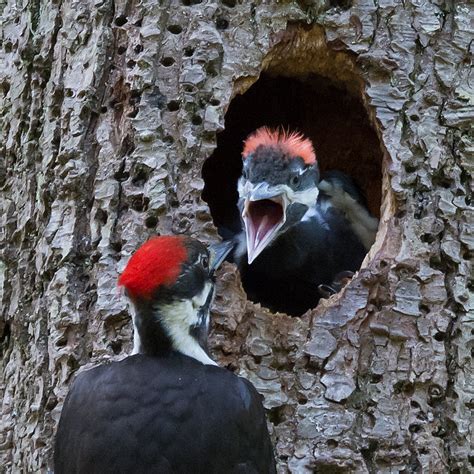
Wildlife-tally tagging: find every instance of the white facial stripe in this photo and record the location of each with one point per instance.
(136, 337)
(200, 299)
(177, 319)
(244, 187)
(307, 196)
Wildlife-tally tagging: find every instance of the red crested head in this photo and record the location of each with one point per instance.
(294, 143)
(157, 262)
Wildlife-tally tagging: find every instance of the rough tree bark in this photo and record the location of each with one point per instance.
(108, 110)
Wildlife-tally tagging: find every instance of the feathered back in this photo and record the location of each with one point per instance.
(157, 262)
(294, 143)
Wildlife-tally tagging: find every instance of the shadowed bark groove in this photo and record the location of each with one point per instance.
(108, 111)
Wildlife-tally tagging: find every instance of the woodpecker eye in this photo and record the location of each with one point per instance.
(295, 179)
(205, 261)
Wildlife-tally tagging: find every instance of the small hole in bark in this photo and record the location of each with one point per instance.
(196, 120)
(103, 109)
(116, 347)
(69, 93)
(140, 203)
(167, 62)
(332, 443)
(121, 49)
(131, 64)
(188, 52)
(222, 23)
(215, 102)
(414, 117)
(376, 378)
(116, 246)
(440, 336)
(342, 4)
(336, 121)
(133, 113)
(151, 222)
(121, 20)
(173, 106)
(229, 3)
(275, 415)
(169, 140)
(121, 175)
(428, 238)
(175, 29)
(102, 216)
(138, 48)
(5, 338)
(72, 363)
(138, 23)
(5, 88)
(414, 428)
(140, 177)
(188, 3)
(407, 388)
(425, 309)
(302, 400)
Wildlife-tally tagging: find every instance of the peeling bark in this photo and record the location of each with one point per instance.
(108, 111)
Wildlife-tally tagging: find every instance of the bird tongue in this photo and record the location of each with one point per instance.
(263, 218)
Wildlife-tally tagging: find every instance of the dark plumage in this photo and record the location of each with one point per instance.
(162, 415)
(299, 231)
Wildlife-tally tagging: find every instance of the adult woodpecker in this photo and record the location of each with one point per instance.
(301, 235)
(168, 408)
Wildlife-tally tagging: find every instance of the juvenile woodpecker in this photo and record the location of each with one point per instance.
(168, 408)
(299, 232)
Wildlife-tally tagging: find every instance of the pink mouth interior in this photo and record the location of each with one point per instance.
(264, 216)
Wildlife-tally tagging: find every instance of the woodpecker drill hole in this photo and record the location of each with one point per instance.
(173, 106)
(175, 29)
(121, 20)
(167, 61)
(332, 117)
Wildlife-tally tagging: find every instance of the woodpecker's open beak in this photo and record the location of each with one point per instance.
(264, 214)
(218, 254)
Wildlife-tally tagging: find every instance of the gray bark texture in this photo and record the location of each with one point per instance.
(108, 111)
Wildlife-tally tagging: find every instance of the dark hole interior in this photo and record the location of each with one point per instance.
(335, 121)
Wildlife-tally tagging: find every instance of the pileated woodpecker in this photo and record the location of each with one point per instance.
(301, 233)
(168, 408)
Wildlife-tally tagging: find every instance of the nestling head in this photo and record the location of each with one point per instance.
(278, 184)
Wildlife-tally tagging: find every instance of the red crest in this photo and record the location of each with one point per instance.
(294, 143)
(157, 262)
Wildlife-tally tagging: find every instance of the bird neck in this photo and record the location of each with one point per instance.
(175, 327)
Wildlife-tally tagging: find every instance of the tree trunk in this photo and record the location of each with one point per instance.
(108, 111)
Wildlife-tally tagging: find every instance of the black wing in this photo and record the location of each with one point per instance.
(166, 415)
